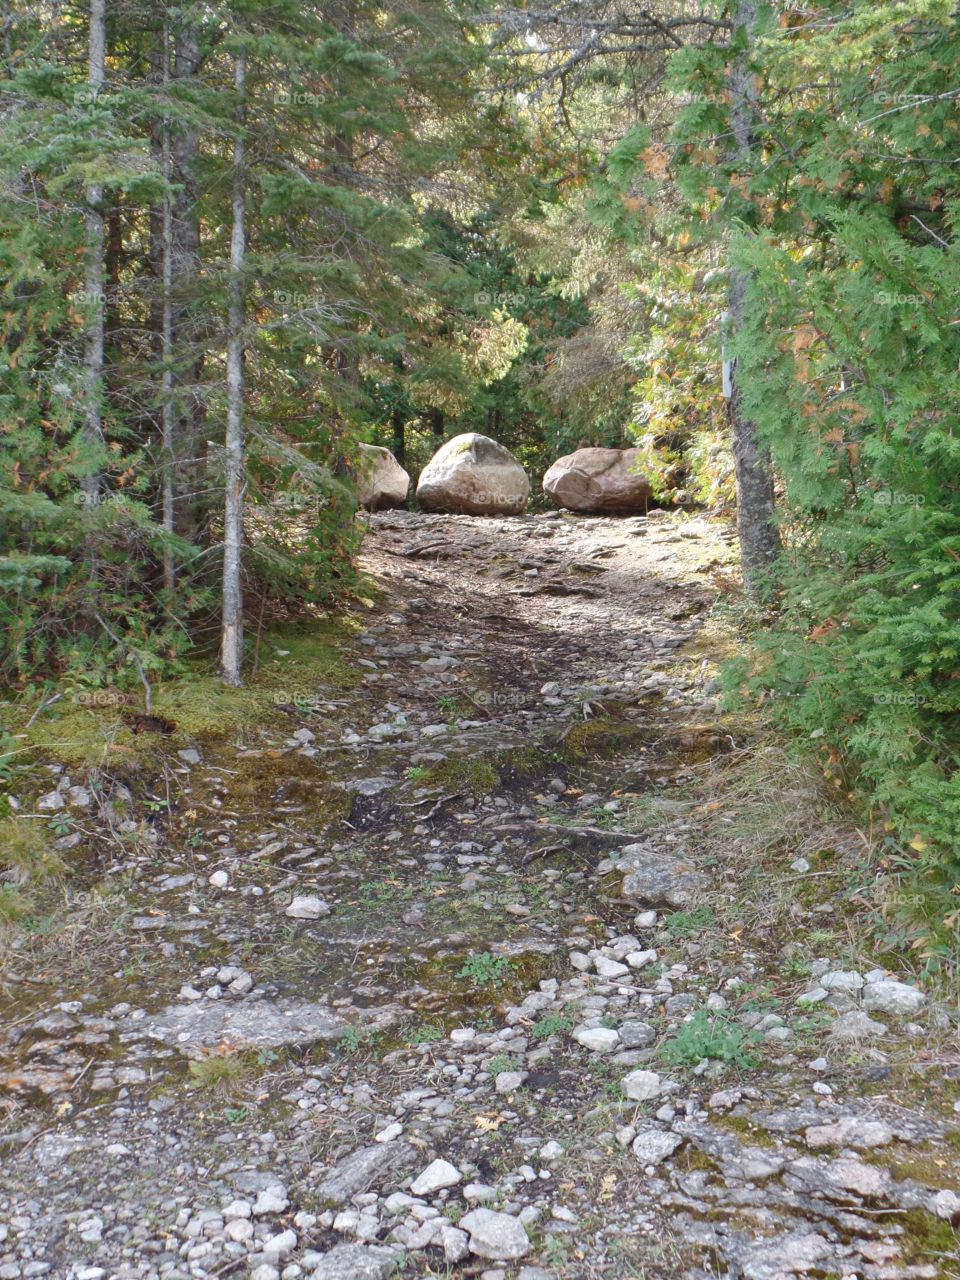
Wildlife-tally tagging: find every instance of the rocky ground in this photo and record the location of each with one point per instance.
(518, 959)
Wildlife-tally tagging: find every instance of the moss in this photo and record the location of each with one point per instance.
(927, 1237)
(464, 773)
(742, 1125)
(99, 728)
(601, 738)
(522, 764)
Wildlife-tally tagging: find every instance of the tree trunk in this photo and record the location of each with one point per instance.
(231, 647)
(756, 511)
(399, 435)
(437, 423)
(93, 280)
(168, 423)
(186, 356)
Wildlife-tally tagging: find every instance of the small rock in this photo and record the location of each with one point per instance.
(436, 1176)
(219, 880)
(608, 968)
(891, 997)
(653, 1146)
(641, 1086)
(509, 1081)
(597, 1039)
(308, 907)
(356, 1262)
(495, 1235)
(271, 1200)
(856, 1025)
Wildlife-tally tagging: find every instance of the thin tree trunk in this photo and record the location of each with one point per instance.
(168, 425)
(399, 435)
(231, 648)
(93, 281)
(756, 509)
(187, 407)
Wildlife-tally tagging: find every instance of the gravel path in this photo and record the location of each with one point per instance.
(467, 971)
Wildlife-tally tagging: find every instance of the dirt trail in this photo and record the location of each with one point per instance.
(480, 910)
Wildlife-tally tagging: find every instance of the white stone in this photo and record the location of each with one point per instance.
(495, 1235)
(436, 1176)
(608, 968)
(653, 1146)
(307, 907)
(597, 1039)
(896, 998)
(641, 1086)
(271, 1200)
(219, 880)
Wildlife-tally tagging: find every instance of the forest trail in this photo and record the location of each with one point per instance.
(522, 917)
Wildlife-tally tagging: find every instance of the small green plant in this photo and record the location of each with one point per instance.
(710, 1037)
(451, 706)
(687, 924)
(235, 1115)
(501, 1062)
(485, 970)
(417, 773)
(551, 1024)
(427, 1034)
(220, 1073)
(356, 1038)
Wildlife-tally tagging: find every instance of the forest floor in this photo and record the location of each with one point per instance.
(500, 951)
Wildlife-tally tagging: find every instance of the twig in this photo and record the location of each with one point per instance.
(78, 1078)
(43, 706)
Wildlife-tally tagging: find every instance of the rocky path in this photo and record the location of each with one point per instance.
(478, 968)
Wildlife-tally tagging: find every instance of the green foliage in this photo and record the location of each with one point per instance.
(847, 363)
(551, 1024)
(426, 1034)
(485, 970)
(705, 1036)
(501, 1062)
(687, 924)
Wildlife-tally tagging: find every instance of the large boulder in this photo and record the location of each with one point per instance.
(473, 475)
(381, 481)
(598, 482)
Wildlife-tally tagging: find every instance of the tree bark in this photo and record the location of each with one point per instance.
(231, 646)
(186, 356)
(399, 435)
(756, 508)
(93, 279)
(167, 418)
